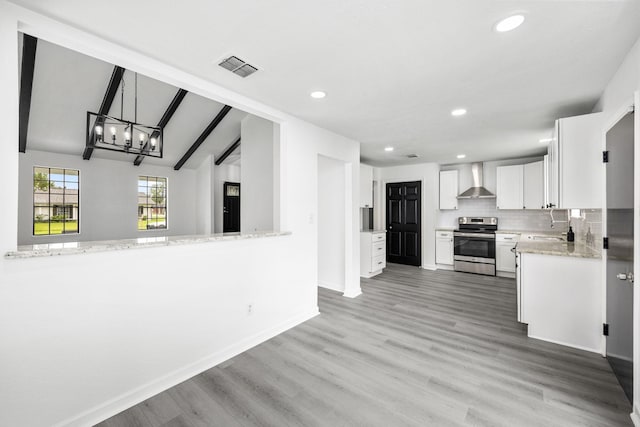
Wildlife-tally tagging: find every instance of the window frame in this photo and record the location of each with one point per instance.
(165, 206)
(51, 206)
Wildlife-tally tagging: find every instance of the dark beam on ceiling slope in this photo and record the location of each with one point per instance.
(29, 46)
(228, 151)
(109, 95)
(163, 122)
(216, 121)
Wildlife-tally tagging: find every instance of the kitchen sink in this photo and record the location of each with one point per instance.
(548, 238)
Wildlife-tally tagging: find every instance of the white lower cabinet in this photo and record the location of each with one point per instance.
(505, 254)
(444, 247)
(373, 253)
(559, 297)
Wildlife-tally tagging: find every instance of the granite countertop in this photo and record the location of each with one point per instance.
(445, 228)
(70, 248)
(576, 249)
(373, 231)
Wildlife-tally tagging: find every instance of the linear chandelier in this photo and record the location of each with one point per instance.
(117, 134)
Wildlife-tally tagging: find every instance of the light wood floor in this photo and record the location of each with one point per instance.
(418, 348)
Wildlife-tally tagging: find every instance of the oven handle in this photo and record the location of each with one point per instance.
(481, 235)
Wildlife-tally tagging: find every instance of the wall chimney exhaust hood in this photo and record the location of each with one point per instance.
(477, 191)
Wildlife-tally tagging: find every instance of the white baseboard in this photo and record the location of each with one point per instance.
(443, 267)
(592, 350)
(131, 398)
(634, 417)
(430, 267)
(331, 286)
(506, 274)
(353, 294)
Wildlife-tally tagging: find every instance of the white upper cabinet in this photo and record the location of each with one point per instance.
(366, 186)
(534, 185)
(575, 163)
(449, 189)
(509, 187)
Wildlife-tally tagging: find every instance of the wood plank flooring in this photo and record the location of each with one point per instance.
(418, 348)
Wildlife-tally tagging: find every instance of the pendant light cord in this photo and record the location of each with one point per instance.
(121, 96)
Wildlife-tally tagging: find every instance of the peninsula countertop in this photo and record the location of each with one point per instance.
(559, 248)
(70, 248)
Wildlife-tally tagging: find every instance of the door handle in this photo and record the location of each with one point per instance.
(625, 276)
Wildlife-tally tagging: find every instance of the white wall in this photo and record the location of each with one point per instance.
(257, 178)
(205, 206)
(428, 173)
(624, 82)
(114, 332)
(331, 219)
(108, 198)
(223, 173)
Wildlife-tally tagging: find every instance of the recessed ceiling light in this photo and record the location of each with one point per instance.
(545, 140)
(461, 156)
(459, 112)
(318, 94)
(388, 148)
(510, 23)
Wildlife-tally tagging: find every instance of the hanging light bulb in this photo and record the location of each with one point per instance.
(98, 130)
(113, 135)
(127, 136)
(153, 143)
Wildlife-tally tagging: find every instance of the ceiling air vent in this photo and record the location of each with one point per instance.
(238, 66)
(412, 156)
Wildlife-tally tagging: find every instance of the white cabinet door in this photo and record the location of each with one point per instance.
(580, 161)
(534, 185)
(366, 186)
(505, 259)
(509, 187)
(444, 250)
(449, 189)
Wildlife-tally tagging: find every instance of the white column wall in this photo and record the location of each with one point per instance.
(205, 206)
(257, 177)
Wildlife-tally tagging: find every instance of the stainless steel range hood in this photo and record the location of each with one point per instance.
(477, 191)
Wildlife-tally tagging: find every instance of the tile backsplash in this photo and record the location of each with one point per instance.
(526, 220)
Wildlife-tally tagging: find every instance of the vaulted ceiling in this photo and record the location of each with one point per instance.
(67, 84)
(393, 70)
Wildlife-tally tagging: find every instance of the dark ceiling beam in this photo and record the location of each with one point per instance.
(216, 121)
(175, 103)
(110, 94)
(29, 46)
(228, 151)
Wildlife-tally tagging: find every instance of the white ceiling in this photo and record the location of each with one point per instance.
(67, 84)
(393, 70)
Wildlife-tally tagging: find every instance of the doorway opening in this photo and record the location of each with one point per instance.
(331, 224)
(404, 222)
(619, 255)
(231, 207)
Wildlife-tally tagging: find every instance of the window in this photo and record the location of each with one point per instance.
(56, 204)
(152, 203)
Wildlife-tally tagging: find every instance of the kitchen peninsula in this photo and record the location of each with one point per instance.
(559, 292)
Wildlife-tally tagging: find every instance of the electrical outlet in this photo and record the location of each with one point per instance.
(250, 309)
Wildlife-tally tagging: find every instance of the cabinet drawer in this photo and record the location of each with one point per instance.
(378, 262)
(378, 248)
(507, 238)
(444, 234)
(378, 237)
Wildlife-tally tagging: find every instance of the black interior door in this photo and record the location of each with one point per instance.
(231, 212)
(404, 240)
